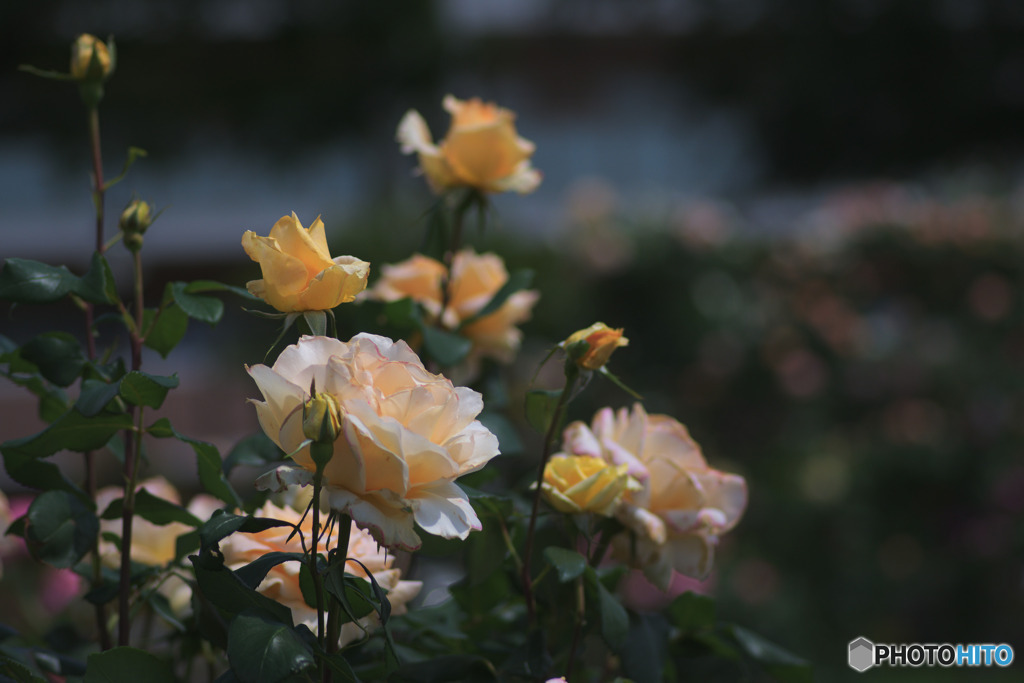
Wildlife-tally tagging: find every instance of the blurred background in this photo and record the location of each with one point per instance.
(807, 215)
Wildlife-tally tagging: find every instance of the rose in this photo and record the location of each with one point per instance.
(282, 581)
(601, 341)
(482, 149)
(681, 507)
(475, 279)
(405, 435)
(581, 483)
(298, 272)
(90, 58)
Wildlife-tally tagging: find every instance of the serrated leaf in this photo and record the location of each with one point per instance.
(126, 665)
(264, 651)
(568, 563)
(205, 308)
(37, 474)
(14, 670)
(60, 529)
(446, 348)
(168, 331)
(142, 389)
(95, 396)
(31, 282)
(58, 355)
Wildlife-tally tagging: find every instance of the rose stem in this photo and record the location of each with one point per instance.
(130, 470)
(549, 436)
(333, 618)
(318, 585)
(581, 606)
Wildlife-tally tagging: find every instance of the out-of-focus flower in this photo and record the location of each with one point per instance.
(136, 217)
(7, 543)
(282, 582)
(581, 483)
(475, 279)
(482, 149)
(83, 65)
(406, 435)
(298, 272)
(682, 505)
(601, 342)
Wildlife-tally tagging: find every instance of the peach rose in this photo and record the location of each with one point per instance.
(475, 279)
(601, 343)
(581, 483)
(682, 505)
(298, 272)
(406, 435)
(482, 149)
(82, 52)
(282, 582)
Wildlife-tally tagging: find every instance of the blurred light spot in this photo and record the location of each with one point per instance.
(915, 421)
(755, 581)
(721, 354)
(801, 373)
(716, 295)
(825, 478)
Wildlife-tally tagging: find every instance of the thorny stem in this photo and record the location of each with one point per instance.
(556, 418)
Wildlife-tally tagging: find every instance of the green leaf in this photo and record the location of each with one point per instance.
(73, 431)
(33, 473)
(317, 322)
(256, 449)
(52, 405)
(403, 314)
(569, 563)
(60, 529)
(692, 612)
(95, 396)
(613, 618)
(205, 308)
(58, 355)
(222, 524)
(31, 282)
(153, 509)
(353, 592)
(254, 572)
(142, 389)
(213, 286)
(169, 329)
(126, 665)
(12, 669)
(226, 591)
(264, 651)
(445, 347)
(781, 664)
(540, 407)
(97, 285)
(444, 668)
(211, 473)
(518, 280)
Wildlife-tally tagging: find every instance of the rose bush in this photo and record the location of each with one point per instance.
(681, 507)
(475, 279)
(482, 149)
(298, 271)
(406, 435)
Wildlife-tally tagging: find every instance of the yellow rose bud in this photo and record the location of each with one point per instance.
(482, 149)
(136, 217)
(321, 418)
(90, 58)
(580, 483)
(298, 272)
(601, 342)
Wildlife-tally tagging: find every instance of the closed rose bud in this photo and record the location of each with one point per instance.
(90, 58)
(136, 217)
(580, 483)
(601, 341)
(321, 418)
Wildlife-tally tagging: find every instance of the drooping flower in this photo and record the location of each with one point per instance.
(601, 343)
(475, 279)
(282, 582)
(482, 149)
(405, 436)
(581, 483)
(682, 506)
(298, 271)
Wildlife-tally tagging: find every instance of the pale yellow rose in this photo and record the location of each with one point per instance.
(475, 279)
(82, 51)
(406, 435)
(282, 582)
(298, 272)
(482, 149)
(574, 484)
(681, 507)
(601, 342)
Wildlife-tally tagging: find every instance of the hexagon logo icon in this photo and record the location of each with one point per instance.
(862, 654)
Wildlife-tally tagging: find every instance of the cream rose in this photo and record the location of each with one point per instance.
(406, 435)
(682, 505)
(482, 149)
(475, 279)
(298, 271)
(282, 582)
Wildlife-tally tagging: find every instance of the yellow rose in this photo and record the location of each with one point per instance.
(406, 435)
(282, 582)
(681, 507)
(82, 51)
(475, 279)
(582, 483)
(482, 149)
(601, 342)
(298, 272)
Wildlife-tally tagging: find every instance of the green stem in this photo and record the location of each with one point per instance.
(318, 584)
(334, 612)
(549, 435)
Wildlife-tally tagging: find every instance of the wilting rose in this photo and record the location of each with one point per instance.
(298, 272)
(601, 342)
(82, 51)
(582, 483)
(475, 279)
(406, 435)
(682, 505)
(282, 582)
(482, 149)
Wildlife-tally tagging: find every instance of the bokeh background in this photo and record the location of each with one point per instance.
(807, 215)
